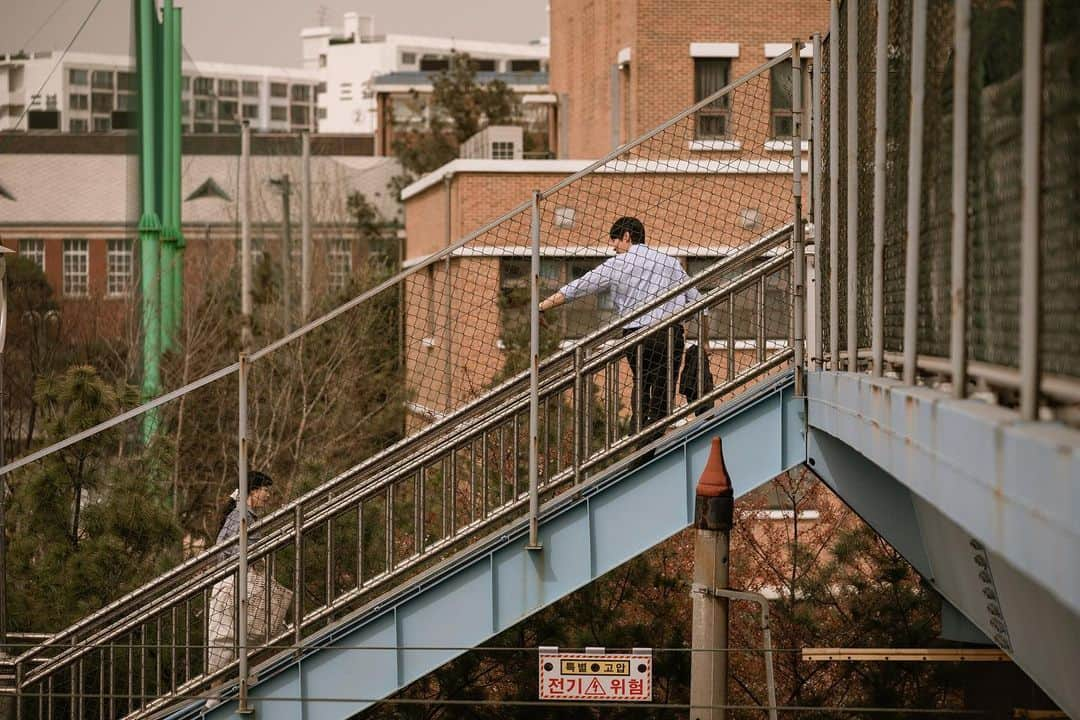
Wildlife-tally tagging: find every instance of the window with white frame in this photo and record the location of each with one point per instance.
(76, 268)
(33, 249)
(120, 267)
(339, 262)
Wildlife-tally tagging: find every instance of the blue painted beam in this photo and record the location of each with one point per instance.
(984, 505)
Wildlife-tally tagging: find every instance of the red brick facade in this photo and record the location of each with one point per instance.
(658, 81)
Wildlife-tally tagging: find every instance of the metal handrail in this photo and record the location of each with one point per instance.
(474, 411)
(404, 466)
(281, 537)
(396, 279)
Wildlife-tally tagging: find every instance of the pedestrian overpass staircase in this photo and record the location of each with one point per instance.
(424, 550)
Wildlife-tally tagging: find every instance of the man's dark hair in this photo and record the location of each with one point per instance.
(628, 225)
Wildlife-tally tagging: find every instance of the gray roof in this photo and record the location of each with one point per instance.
(424, 78)
(93, 189)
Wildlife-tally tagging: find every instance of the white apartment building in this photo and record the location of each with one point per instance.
(347, 61)
(97, 93)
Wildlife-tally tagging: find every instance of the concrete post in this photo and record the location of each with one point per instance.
(713, 517)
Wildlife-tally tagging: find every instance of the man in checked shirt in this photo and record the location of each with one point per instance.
(635, 276)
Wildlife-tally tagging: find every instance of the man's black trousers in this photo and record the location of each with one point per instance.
(654, 372)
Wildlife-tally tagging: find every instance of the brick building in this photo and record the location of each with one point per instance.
(71, 204)
(623, 67)
(714, 181)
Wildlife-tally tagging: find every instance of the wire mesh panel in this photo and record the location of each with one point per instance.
(842, 150)
(899, 111)
(1060, 208)
(995, 159)
(822, 237)
(445, 345)
(936, 215)
(867, 35)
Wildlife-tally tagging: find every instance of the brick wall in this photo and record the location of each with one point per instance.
(586, 36)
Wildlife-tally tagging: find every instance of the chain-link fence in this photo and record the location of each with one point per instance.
(407, 409)
(992, 293)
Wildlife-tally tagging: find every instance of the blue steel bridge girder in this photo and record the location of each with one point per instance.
(984, 505)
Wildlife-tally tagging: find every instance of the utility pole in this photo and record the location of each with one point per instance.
(283, 185)
(714, 510)
(305, 227)
(245, 236)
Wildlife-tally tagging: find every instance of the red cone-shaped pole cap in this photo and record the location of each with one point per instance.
(714, 480)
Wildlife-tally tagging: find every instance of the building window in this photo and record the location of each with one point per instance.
(78, 101)
(34, 250)
(228, 128)
(575, 319)
(204, 108)
(408, 58)
(77, 77)
(301, 93)
(484, 65)
(321, 113)
(279, 113)
(322, 60)
(102, 124)
(710, 75)
(339, 262)
(120, 267)
(781, 126)
(502, 151)
(228, 88)
(102, 79)
(78, 125)
(227, 109)
(125, 101)
(204, 128)
(250, 88)
(185, 108)
(76, 266)
(524, 66)
(101, 102)
(126, 81)
(204, 86)
(298, 115)
(279, 90)
(251, 112)
(185, 83)
(434, 63)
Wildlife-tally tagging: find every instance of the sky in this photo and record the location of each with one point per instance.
(262, 32)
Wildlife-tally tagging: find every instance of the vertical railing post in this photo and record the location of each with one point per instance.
(1029, 210)
(242, 505)
(799, 272)
(579, 411)
(834, 185)
(852, 185)
(914, 194)
(534, 378)
(961, 72)
(244, 198)
(305, 226)
(881, 109)
(816, 191)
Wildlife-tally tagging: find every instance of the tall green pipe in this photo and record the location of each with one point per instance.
(149, 224)
(168, 220)
(177, 169)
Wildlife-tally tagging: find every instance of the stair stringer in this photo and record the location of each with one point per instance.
(497, 582)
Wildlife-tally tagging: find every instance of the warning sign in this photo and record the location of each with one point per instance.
(595, 675)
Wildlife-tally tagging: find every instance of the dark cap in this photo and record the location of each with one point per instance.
(257, 479)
